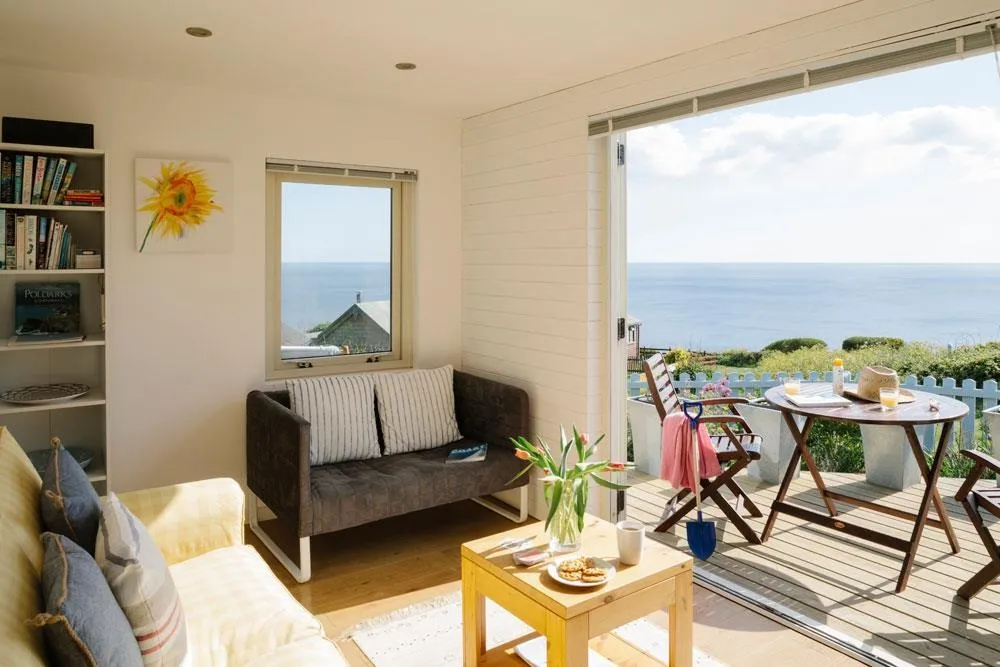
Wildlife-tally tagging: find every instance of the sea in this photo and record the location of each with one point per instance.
(721, 306)
(715, 307)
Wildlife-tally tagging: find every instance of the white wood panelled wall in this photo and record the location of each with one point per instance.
(533, 209)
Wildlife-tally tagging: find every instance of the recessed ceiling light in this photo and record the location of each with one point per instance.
(195, 31)
(405, 66)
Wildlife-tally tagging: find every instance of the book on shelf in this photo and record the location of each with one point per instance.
(46, 312)
(470, 454)
(33, 180)
(45, 339)
(33, 242)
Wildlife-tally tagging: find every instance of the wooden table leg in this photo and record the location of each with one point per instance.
(793, 465)
(925, 506)
(681, 621)
(918, 453)
(567, 640)
(802, 440)
(473, 618)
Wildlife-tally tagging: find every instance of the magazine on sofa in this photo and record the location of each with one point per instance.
(470, 454)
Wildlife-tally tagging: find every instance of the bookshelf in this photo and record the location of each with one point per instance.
(81, 422)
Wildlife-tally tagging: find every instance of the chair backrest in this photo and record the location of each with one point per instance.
(660, 385)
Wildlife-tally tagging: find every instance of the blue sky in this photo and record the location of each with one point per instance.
(900, 168)
(332, 223)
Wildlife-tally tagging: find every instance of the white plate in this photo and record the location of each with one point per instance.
(608, 568)
(44, 394)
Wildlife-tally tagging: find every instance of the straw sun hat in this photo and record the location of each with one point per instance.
(873, 378)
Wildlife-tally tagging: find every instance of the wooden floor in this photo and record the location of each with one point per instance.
(369, 571)
(848, 584)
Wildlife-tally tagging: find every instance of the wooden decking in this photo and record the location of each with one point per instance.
(847, 584)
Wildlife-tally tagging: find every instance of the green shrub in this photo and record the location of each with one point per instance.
(979, 362)
(739, 358)
(858, 342)
(793, 344)
(911, 359)
(677, 355)
(837, 447)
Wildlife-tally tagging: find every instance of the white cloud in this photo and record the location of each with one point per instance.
(964, 138)
(913, 185)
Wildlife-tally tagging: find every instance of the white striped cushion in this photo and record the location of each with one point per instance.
(142, 585)
(341, 414)
(417, 409)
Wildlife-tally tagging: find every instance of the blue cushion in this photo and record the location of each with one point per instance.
(70, 505)
(82, 624)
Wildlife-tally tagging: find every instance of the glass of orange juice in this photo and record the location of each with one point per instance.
(792, 386)
(889, 398)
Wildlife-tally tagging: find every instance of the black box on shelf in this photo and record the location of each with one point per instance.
(46, 132)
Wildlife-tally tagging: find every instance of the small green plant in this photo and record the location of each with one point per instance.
(859, 342)
(793, 344)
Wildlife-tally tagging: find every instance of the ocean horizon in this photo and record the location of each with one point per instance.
(747, 305)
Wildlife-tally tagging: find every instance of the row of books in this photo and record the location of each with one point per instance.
(35, 243)
(35, 179)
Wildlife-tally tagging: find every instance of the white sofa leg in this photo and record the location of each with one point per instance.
(302, 572)
(522, 515)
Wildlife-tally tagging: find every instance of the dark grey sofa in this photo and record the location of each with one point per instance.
(327, 498)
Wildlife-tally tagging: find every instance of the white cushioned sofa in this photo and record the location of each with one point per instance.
(237, 611)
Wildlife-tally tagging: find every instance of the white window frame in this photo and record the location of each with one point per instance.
(400, 356)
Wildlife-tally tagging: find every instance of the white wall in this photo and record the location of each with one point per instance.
(186, 332)
(533, 216)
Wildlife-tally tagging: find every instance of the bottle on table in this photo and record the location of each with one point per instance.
(838, 377)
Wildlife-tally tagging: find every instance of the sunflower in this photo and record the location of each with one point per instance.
(181, 200)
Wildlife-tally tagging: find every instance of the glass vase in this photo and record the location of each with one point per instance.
(564, 529)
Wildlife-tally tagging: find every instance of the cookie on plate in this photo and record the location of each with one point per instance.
(593, 575)
(572, 565)
(575, 575)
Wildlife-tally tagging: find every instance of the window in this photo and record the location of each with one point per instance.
(338, 272)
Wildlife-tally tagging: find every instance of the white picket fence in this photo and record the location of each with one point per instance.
(968, 391)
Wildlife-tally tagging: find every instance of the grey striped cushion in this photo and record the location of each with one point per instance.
(341, 414)
(142, 585)
(416, 409)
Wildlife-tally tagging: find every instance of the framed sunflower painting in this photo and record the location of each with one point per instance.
(183, 206)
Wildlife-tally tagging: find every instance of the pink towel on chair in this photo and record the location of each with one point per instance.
(675, 453)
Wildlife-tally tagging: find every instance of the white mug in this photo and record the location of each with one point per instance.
(630, 537)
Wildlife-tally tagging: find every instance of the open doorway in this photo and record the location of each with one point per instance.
(855, 222)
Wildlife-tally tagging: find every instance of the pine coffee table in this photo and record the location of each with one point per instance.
(570, 617)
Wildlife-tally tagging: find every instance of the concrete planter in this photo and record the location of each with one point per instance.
(889, 461)
(991, 419)
(778, 446)
(645, 422)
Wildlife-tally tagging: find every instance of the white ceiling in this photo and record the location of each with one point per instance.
(472, 55)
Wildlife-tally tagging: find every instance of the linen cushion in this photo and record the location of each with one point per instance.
(83, 624)
(70, 505)
(417, 409)
(141, 582)
(237, 610)
(341, 416)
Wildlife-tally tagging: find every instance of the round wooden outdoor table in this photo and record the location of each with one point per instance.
(906, 416)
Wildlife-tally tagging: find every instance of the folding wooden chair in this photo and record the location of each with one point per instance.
(731, 448)
(975, 501)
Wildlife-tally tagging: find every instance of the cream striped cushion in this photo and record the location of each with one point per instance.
(341, 415)
(417, 409)
(142, 584)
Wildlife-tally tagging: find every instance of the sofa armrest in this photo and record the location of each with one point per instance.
(190, 519)
(278, 460)
(490, 411)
